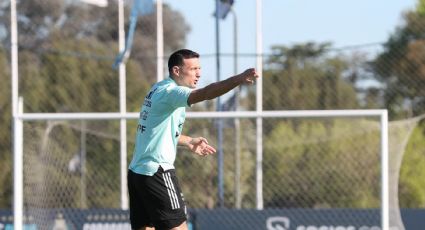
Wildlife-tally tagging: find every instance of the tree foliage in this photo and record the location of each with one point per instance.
(66, 52)
(322, 165)
(401, 67)
(302, 77)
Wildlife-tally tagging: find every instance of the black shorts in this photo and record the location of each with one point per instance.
(156, 201)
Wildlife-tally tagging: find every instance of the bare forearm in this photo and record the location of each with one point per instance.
(219, 88)
(214, 90)
(184, 140)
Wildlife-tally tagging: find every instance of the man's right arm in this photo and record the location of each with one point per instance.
(217, 89)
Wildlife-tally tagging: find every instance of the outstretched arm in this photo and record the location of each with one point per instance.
(198, 145)
(217, 89)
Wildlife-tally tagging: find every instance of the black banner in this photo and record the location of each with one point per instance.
(223, 219)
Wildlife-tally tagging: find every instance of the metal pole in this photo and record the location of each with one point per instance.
(238, 198)
(219, 121)
(385, 216)
(17, 107)
(259, 107)
(14, 56)
(123, 108)
(18, 169)
(159, 41)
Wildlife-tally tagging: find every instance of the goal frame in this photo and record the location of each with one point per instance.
(20, 117)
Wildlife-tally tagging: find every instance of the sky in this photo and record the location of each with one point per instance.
(286, 22)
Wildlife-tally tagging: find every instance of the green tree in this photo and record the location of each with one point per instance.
(401, 66)
(303, 77)
(318, 165)
(302, 157)
(66, 50)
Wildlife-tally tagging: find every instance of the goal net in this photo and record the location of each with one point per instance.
(71, 174)
(319, 169)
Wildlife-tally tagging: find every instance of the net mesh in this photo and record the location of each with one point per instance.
(72, 166)
(399, 134)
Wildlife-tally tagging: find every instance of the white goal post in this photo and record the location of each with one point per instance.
(381, 114)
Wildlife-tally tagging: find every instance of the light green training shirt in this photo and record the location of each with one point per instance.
(161, 120)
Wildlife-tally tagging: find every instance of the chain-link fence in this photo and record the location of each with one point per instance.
(66, 52)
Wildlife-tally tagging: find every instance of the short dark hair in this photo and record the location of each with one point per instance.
(176, 59)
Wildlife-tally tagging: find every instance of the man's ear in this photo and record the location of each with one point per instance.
(176, 70)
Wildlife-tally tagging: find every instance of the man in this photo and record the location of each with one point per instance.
(156, 199)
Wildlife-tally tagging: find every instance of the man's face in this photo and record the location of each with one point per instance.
(189, 73)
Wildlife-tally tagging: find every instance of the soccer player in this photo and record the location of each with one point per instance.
(156, 199)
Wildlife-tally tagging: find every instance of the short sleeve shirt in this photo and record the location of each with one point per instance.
(161, 120)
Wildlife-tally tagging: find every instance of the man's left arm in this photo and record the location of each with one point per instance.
(198, 145)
